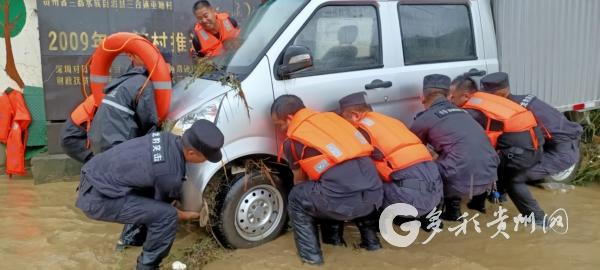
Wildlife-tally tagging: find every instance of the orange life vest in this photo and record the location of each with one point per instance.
(331, 135)
(399, 146)
(159, 70)
(513, 116)
(5, 117)
(17, 137)
(84, 113)
(211, 45)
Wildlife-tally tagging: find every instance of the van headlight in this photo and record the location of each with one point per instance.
(208, 111)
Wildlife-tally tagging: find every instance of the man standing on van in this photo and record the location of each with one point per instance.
(467, 161)
(334, 178)
(409, 173)
(213, 33)
(561, 147)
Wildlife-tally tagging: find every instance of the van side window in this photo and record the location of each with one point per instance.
(436, 33)
(342, 38)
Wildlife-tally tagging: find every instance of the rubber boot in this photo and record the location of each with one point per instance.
(305, 235)
(332, 232)
(478, 203)
(368, 235)
(141, 266)
(451, 209)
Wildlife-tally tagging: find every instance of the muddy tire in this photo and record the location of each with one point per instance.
(250, 211)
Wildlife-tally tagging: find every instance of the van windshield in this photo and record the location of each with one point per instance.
(256, 35)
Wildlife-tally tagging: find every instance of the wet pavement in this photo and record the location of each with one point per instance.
(41, 229)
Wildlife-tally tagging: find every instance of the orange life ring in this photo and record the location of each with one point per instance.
(123, 42)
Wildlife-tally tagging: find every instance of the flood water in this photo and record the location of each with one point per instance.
(41, 229)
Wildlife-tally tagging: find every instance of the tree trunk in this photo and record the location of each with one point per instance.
(11, 67)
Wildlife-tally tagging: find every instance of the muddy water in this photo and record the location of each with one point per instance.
(579, 248)
(41, 229)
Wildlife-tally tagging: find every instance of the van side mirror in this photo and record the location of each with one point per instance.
(296, 58)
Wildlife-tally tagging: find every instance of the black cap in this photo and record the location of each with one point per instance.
(357, 98)
(437, 81)
(494, 82)
(205, 137)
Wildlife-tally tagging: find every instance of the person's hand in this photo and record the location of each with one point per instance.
(187, 215)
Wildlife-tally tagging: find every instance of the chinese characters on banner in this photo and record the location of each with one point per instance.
(70, 31)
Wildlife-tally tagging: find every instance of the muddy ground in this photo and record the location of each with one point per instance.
(41, 229)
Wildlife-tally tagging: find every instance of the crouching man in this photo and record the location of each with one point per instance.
(405, 165)
(334, 178)
(115, 184)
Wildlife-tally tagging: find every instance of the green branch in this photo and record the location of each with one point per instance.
(205, 66)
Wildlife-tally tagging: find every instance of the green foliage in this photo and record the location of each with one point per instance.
(589, 172)
(17, 15)
(201, 253)
(205, 66)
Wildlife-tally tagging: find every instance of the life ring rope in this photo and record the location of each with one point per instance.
(82, 76)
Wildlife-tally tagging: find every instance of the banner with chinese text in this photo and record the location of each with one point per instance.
(70, 31)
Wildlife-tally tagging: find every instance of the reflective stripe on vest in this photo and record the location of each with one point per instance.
(331, 135)
(211, 45)
(399, 146)
(513, 116)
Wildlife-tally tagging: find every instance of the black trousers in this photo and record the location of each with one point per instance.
(160, 219)
(306, 206)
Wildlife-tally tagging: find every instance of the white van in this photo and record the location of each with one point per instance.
(319, 50)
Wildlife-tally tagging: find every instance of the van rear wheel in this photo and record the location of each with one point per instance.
(251, 211)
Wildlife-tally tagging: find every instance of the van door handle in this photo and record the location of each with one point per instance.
(377, 83)
(475, 72)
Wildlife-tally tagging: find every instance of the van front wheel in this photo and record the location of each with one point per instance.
(251, 211)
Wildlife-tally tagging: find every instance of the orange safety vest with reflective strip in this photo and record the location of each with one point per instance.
(211, 45)
(331, 135)
(17, 137)
(513, 116)
(400, 147)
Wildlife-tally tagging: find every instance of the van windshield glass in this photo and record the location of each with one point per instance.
(256, 35)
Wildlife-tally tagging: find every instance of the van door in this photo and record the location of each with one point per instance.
(344, 39)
